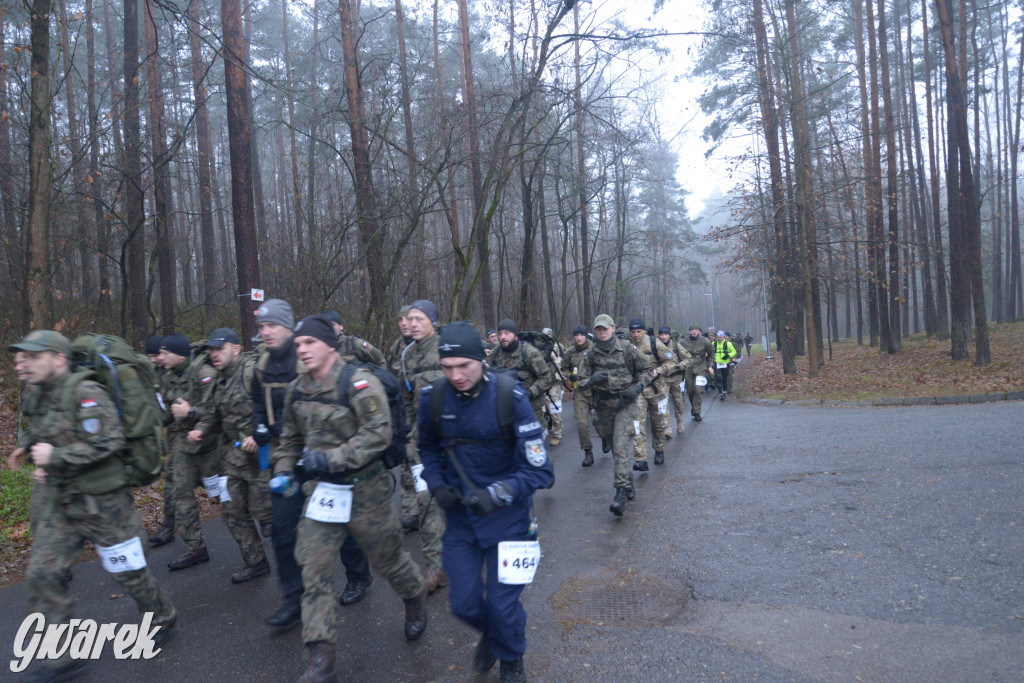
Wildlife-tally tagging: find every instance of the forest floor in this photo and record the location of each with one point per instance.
(923, 368)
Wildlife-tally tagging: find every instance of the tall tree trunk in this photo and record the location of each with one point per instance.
(453, 210)
(894, 342)
(296, 182)
(134, 285)
(1015, 298)
(581, 170)
(163, 200)
(254, 152)
(96, 183)
(941, 287)
(11, 241)
(870, 207)
(204, 156)
(37, 307)
(876, 225)
(240, 148)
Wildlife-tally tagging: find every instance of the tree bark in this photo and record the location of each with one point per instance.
(894, 341)
(581, 171)
(941, 286)
(37, 307)
(134, 285)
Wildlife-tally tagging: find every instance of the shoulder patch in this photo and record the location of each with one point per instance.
(366, 345)
(91, 426)
(360, 384)
(668, 354)
(529, 427)
(427, 389)
(536, 453)
(89, 403)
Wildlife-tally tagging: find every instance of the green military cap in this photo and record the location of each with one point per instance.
(604, 320)
(403, 311)
(43, 340)
(694, 326)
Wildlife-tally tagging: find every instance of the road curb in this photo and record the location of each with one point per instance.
(890, 401)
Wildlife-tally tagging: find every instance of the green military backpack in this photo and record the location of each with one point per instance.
(129, 378)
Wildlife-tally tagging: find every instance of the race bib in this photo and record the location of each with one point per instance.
(123, 557)
(212, 486)
(682, 386)
(417, 480)
(160, 400)
(224, 495)
(663, 406)
(702, 381)
(636, 427)
(721, 365)
(555, 407)
(517, 562)
(331, 503)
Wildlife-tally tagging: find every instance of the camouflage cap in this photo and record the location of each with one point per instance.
(604, 320)
(694, 326)
(43, 340)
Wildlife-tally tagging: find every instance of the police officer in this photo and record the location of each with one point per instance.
(654, 400)
(615, 373)
(484, 476)
(525, 361)
(81, 491)
(337, 446)
(276, 367)
(703, 353)
(676, 377)
(581, 402)
(228, 411)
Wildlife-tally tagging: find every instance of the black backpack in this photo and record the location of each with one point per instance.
(395, 453)
(507, 380)
(544, 343)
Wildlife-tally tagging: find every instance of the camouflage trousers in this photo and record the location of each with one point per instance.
(188, 470)
(552, 403)
(694, 393)
(375, 527)
(432, 522)
(249, 488)
(169, 507)
(675, 394)
(620, 422)
(653, 405)
(410, 504)
(66, 521)
(581, 409)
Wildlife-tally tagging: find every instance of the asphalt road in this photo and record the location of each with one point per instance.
(775, 544)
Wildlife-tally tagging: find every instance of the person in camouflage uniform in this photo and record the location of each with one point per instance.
(702, 351)
(581, 401)
(165, 530)
(526, 362)
(554, 395)
(228, 411)
(420, 366)
(182, 389)
(328, 441)
(352, 347)
(410, 516)
(74, 436)
(675, 379)
(615, 374)
(654, 399)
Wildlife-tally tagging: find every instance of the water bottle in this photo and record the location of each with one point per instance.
(262, 438)
(284, 485)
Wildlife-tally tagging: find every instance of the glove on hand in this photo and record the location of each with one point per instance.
(313, 464)
(480, 503)
(597, 378)
(630, 394)
(447, 496)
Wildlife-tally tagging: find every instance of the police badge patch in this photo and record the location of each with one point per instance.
(535, 452)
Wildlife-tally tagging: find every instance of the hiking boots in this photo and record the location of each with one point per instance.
(416, 616)
(659, 457)
(555, 441)
(251, 571)
(321, 664)
(287, 615)
(189, 558)
(631, 489)
(512, 672)
(641, 466)
(435, 578)
(483, 660)
(355, 591)
(606, 445)
(588, 458)
(619, 503)
(164, 534)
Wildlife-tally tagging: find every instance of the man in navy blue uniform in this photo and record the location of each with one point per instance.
(483, 457)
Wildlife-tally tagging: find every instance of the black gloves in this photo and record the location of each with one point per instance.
(630, 394)
(597, 378)
(313, 464)
(480, 502)
(447, 496)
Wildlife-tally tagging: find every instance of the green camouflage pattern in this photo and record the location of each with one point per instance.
(351, 347)
(572, 359)
(410, 506)
(703, 353)
(533, 371)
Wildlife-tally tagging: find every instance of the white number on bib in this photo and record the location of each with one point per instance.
(663, 406)
(123, 557)
(682, 386)
(517, 562)
(721, 365)
(702, 381)
(330, 503)
(418, 482)
(224, 495)
(556, 407)
(636, 427)
(212, 486)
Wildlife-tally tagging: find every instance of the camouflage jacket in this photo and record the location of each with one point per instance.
(351, 347)
(419, 366)
(352, 437)
(572, 360)
(624, 364)
(702, 351)
(685, 360)
(666, 363)
(82, 425)
(394, 356)
(228, 408)
(185, 383)
(528, 363)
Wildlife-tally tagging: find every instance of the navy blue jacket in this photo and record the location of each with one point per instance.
(522, 463)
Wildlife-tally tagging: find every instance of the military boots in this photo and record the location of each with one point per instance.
(416, 616)
(588, 457)
(619, 503)
(163, 535)
(512, 672)
(322, 664)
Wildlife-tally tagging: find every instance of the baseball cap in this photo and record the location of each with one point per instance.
(43, 340)
(222, 336)
(604, 320)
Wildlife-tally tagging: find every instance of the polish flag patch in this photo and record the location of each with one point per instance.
(206, 380)
(89, 403)
(361, 384)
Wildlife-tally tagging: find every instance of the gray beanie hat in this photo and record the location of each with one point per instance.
(276, 311)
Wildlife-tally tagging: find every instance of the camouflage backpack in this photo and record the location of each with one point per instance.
(544, 343)
(129, 378)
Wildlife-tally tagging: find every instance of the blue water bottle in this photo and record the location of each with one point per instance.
(284, 485)
(262, 438)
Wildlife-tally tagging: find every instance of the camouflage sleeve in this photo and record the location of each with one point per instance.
(289, 446)
(200, 395)
(208, 417)
(368, 353)
(641, 368)
(25, 439)
(369, 401)
(542, 373)
(668, 361)
(98, 432)
(685, 359)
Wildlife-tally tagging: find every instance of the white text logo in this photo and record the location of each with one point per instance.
(81, 639)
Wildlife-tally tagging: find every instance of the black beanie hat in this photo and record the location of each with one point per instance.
(507, 325)
(318, 327)
(460, 340)
(636, 324)
(427, 308)
(664, 330)
(332, 316)
(579, 329)
(153, 344)
(177, 343)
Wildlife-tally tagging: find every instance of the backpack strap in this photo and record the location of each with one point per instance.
(654, 348)
(506, 386)
(345, 381)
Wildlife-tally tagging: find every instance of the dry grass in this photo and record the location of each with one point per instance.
(923, 368)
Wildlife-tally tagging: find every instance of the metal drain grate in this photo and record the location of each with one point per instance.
(649, 603)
